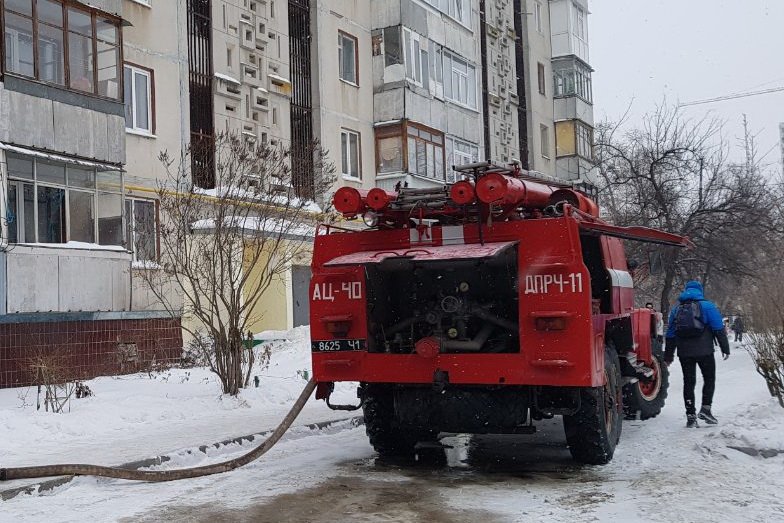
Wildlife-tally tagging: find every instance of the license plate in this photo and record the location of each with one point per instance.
(337, 345)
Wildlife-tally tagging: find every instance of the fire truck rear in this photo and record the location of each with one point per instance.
(482, 307)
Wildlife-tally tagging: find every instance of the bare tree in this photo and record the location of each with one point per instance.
(766, 336)
(674, 173)
(222, 249)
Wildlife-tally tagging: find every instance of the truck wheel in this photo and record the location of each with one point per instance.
(646, 398)
(385, 435)
(594, 430)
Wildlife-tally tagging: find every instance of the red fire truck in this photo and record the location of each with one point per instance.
(482, 307)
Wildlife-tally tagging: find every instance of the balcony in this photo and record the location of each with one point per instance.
(64, 278)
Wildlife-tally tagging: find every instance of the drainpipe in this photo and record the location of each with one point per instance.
(485, 106)
(522, 118)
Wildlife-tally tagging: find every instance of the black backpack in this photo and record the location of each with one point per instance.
(688, 320)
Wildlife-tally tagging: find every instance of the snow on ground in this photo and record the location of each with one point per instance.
(661, 471)
(138, 416)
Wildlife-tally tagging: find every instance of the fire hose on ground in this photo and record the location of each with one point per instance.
(8, 474)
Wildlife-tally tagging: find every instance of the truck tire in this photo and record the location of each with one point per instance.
(595, 429)
(646, 399)
(384, 433)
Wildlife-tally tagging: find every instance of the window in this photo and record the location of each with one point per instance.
(425, 151)
(584, 140)
(578, 22)
(347, 58)
(51, 201)
(462, 153)
(572, 78)
(35, 43)
(138, 99)
(416, 58)
(393, 54)
(544, 137)
(390, 154)
(574, 137)
(410, 147)
(460, 10)
(349, 153)
(538, 16)
(541, 78)
(459, 80)
(142, 229)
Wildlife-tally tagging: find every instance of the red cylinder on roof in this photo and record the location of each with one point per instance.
(350, 201)
(462, 192)
(575, 199)
(505, 190)
(379, 199)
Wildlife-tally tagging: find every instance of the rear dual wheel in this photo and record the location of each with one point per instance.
(386, 436)
(595, 429)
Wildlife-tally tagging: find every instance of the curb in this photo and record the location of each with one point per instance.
(51, 484)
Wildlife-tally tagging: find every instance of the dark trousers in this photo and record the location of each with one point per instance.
(738, 335)
(707, 366)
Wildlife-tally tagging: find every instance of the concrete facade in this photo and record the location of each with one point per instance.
(573, 90)
(77, 177)
(157, 49)
(539, 103)
(426, 71)
(62, 130)
(45, 279)
(502, 97)
(410, 104)
(343, 108)
(252, 70)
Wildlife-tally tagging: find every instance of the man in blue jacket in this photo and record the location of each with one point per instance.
(692, 327)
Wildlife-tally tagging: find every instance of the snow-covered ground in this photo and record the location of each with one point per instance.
(661, 470)
(141, 415)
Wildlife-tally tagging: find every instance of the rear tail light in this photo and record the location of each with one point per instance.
(551, 320)
(550, 324)
(338, 325)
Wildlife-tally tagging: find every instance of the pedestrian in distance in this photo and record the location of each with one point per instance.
(738, 327)
(694, 325)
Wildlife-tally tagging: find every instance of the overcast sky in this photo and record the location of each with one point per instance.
(687, 50)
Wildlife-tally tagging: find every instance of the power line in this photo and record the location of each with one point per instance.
(732, 96)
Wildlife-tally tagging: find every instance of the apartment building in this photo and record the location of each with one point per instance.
(155, 84)
(65, 257)
(397, 91)
(342, 68)
(426, 79)
(572, 90)
(251, 62)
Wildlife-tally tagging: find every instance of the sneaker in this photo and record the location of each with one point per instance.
(691, 421)
(705, 415)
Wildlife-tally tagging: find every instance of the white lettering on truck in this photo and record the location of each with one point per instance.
(328, 292)
(547, 283)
